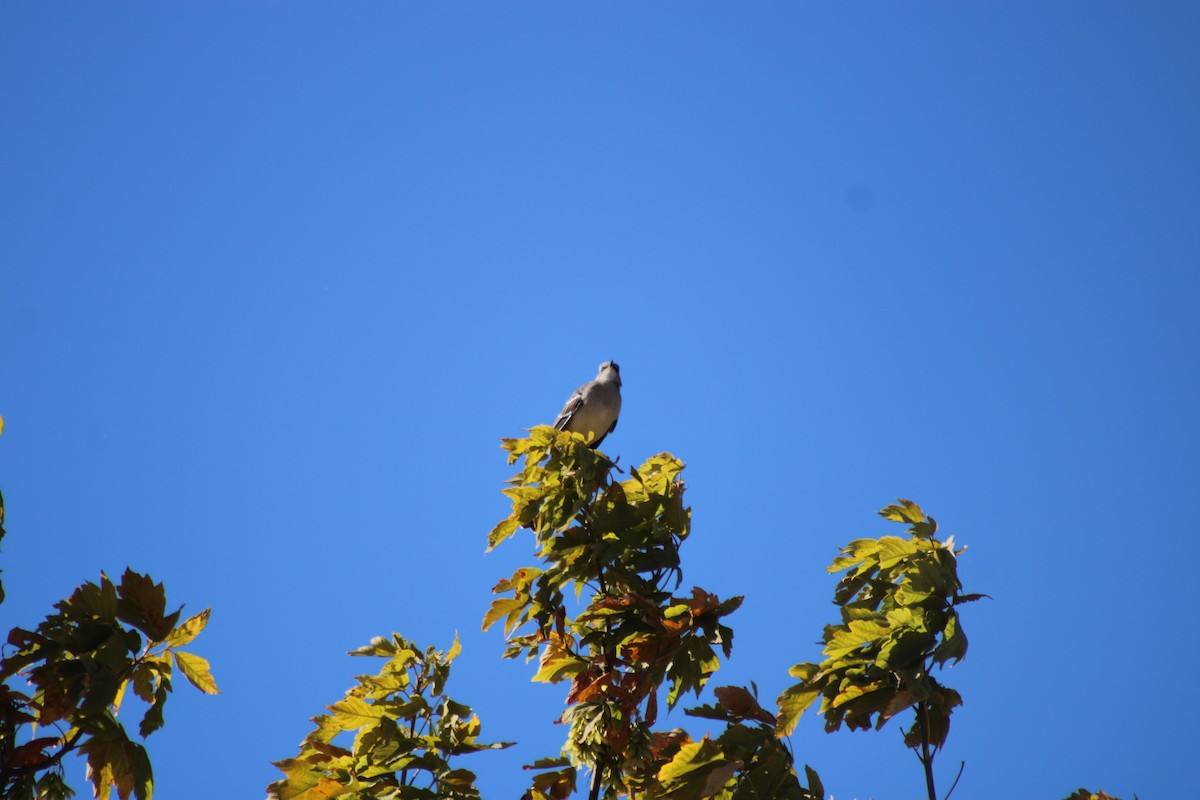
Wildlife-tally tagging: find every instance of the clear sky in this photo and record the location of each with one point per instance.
(275, 278)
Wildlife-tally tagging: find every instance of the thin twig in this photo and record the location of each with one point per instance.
(961, 764)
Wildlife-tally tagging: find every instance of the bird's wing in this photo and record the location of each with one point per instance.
(569, 409)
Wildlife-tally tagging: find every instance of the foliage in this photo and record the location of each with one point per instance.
(617, 541)
(406, 730)
(633, 637)
(80, 662)
(899, 618)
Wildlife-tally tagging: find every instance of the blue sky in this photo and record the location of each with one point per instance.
(276, 277)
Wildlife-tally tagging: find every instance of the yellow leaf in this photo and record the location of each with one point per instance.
(196, 670)
(116, 703)
(352, 713)
(698, 757)
(189, 630)
(502, 607)
(558, 662)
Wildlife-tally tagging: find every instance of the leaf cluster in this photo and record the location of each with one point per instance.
(619, 541)
(613, 544)
(746, 761)
(899, 618)
(79, 664)
(406, 731)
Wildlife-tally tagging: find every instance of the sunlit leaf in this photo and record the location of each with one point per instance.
(502, 607)
(196, 670)
(852, 637)
(896, 603)
(903, 511)
(792, 704)
(558, 663)
(189, 629)
(687, 774)
(454, 650)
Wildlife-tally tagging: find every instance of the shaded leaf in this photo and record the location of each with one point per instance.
(741, 703)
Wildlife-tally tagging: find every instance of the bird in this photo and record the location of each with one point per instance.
(595, 406)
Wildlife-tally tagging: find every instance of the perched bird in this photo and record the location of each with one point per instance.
(595, 406)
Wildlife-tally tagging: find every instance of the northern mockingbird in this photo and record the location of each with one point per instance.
(595, 406)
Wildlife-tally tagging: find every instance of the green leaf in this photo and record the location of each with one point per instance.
(893, 549)
(954, 642)
(794, 701)
(196, 670)
(855, 553)
(905, 511)
(852, 638)
(693, 757)
(904, 649)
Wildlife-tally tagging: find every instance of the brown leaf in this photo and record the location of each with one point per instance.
(32, 753)
(662, 740)
(587, 686)
(651, 708)
(739, 701)
(702, 601)
(900, 701)
(644, 650)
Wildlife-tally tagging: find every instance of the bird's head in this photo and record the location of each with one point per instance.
(610, 371)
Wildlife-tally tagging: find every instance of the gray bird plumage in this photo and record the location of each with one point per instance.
(595, 406)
